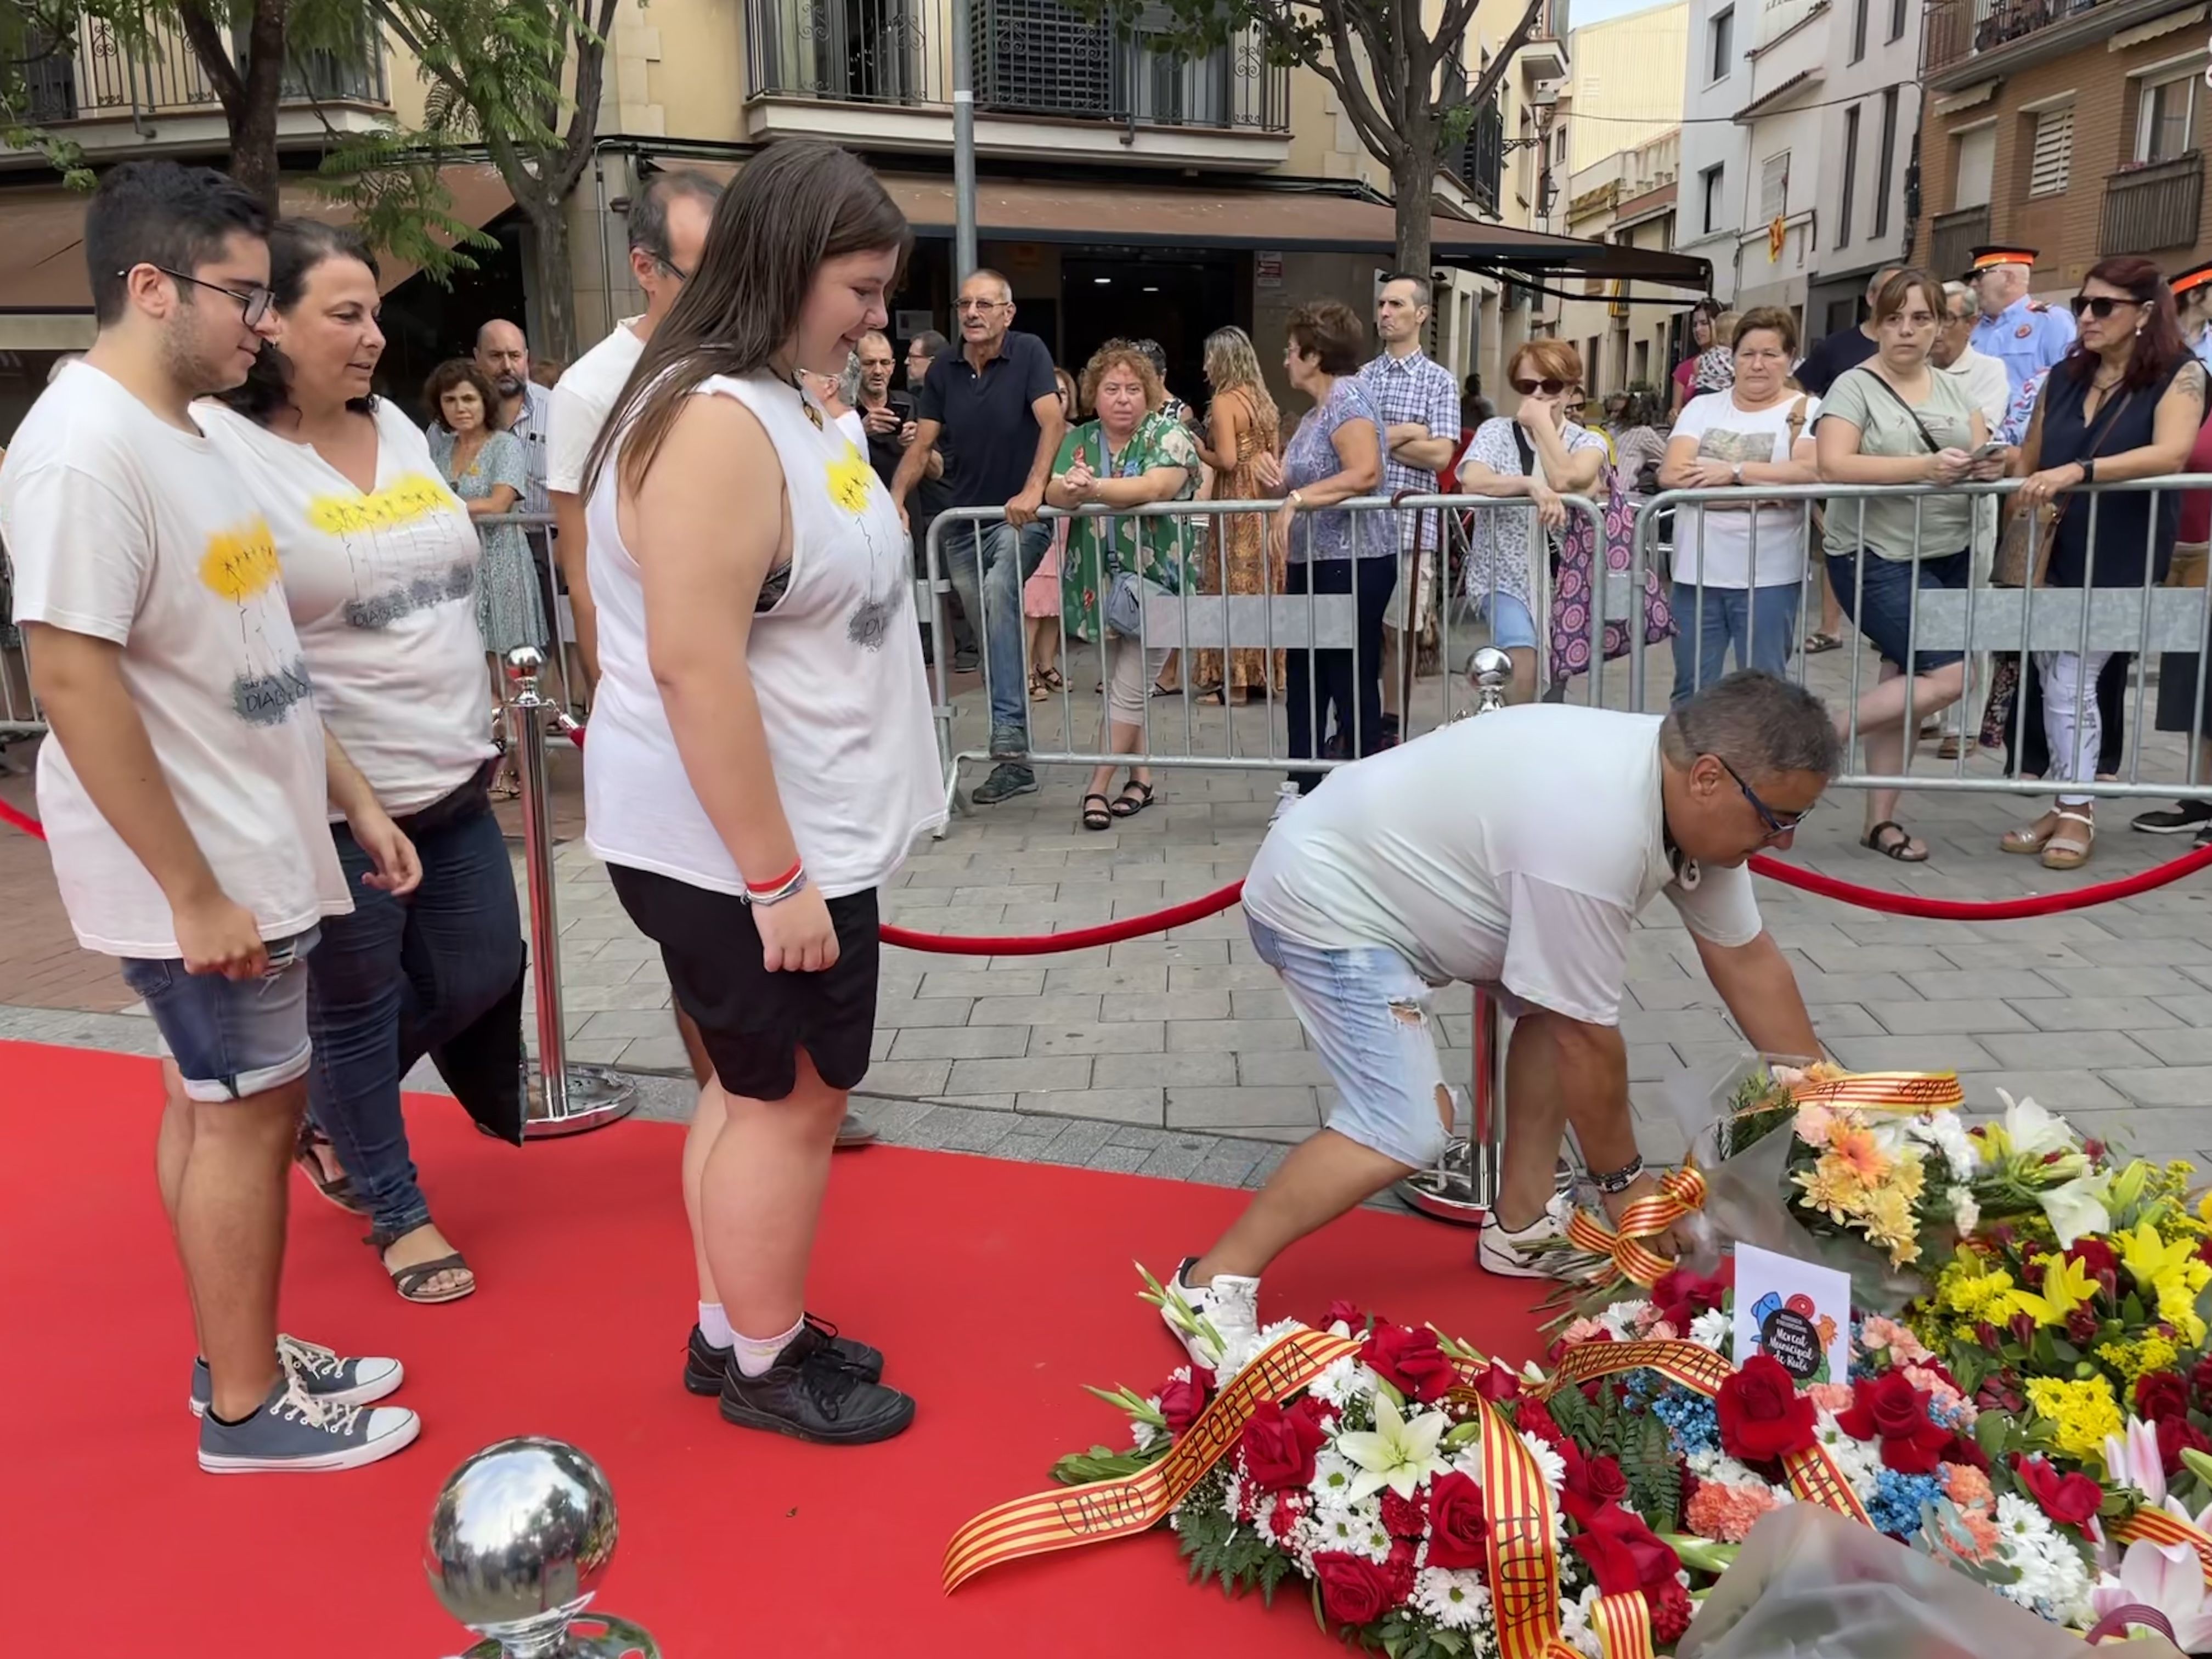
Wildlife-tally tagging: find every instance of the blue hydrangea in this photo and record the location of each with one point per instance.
(1641, 1386)
(1692, 1421)
(1898, 1498)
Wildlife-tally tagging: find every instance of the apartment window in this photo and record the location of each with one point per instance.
(1720, 41)
(1885, 162)
(2050, 156)
(1859, 28)
(2165, 119)
(1774, 188)
(1643, 373)
(1896, 9)
(1710, 178)
(1976, 157)
(1850, 175)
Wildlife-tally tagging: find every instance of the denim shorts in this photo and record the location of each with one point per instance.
(1369, 1016)
(1512, 626)
(1888, 588)
(231, 1038)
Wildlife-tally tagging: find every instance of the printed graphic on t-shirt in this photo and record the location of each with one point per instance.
(240, 566)
(399, 564)
(852, 483)
(1733, 448)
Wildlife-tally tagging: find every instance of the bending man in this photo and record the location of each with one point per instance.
(1513, 851)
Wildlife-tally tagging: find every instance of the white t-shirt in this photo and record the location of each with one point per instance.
(1729, 435)
(1512, 850)
(124, 528)
(583, 399)
(835, 665)
(382, 590)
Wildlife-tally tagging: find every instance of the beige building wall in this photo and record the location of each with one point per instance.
(1626, 81)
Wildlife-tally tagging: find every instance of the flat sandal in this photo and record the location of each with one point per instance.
(2071, 854)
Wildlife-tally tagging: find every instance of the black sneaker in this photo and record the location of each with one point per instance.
(704, 1364)
(1005, 783)
(814, 1393)
(965, 660)
(2204, 839)
(2179, 819)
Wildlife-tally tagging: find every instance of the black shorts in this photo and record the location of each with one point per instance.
(754, 1023)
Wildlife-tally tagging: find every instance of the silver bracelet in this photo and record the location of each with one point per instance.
(1613, 1182)
(795, 885)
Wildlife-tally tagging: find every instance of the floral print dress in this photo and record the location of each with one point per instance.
(510, 611)
(1099, 548)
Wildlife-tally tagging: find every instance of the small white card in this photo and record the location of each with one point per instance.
(1794, 1311)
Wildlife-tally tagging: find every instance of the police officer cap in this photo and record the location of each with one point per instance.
(1988, 258)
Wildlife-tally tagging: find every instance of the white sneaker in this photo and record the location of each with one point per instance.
(1505, 1252)
(1230, 1304)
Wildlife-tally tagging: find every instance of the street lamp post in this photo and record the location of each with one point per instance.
(964, 258)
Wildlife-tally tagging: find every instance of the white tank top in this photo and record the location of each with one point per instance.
(835, 664)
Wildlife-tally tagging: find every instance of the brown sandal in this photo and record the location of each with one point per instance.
(410, 1280)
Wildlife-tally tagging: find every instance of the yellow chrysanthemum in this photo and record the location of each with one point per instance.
(2138, 1356)
(2176, 1293)
(2081, 1414)
(1890, 1224)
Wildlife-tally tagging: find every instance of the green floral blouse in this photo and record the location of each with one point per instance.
(1158, 548)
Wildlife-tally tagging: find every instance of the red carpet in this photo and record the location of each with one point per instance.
(997, 1289)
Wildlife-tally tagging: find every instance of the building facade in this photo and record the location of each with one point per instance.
(1870, 134)
(2074, 129)
(1629, 198)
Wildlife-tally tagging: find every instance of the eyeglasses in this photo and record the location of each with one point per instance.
(1549, 388)
(967, 306)
(671, 268)
(1779, 824)
(2102, 305)
(252, 305)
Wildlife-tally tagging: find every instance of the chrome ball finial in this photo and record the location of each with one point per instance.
(519, 1538)
(524, 664)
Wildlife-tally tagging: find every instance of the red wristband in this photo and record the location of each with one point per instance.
(783, 880)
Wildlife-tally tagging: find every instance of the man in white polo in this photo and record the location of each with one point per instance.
(1513, 851)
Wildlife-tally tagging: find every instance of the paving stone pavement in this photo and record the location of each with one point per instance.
(1176, 1055)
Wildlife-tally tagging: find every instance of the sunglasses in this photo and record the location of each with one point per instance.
(1777, 824)
(1549, 388)
(2102, 306)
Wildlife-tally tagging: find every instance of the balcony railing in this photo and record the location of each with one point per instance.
(1959, 29)
(155, 72)
(1954, 234)
(2151, 208)
(1033, 58)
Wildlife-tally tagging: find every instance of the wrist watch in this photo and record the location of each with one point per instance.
(1739, 474)
(2088, 470)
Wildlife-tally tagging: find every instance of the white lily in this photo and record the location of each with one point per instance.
(2033, 1130)
(2076, 1208)
(2165, 1577)
(2133, 1459)
(1399, 1454)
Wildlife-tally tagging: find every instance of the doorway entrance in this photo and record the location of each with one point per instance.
(1175, 296)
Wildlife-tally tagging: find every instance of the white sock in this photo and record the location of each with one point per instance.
(755, 1354)
(714, 1325)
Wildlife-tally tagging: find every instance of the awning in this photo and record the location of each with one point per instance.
(42, 253)
(1160, 214)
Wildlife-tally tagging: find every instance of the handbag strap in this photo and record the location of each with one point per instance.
(1911, 414)
(2105, 425)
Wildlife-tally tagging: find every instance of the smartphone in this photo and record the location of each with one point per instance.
(1990, 450)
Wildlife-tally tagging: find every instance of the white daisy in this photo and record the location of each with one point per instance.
(1554, 1466)
(1457, 1600)
(1232, 1498)
(1142, 1433)
(1334, 1473)
(1344, 1383)
(1714, 1328)
(1357, 1530)
(1575, 1625)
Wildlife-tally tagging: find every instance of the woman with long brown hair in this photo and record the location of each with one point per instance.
(1241, 426)
(761, 753)
(2125, 403)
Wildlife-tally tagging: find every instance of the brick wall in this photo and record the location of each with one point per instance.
(2065, 226)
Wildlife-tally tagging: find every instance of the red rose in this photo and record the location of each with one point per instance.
(1409, 1361)
(1762, 1415)
(2175, 1436)
(1403, 1516)
(2096, 1255)
(2200, 1382)
(2161, 1394)
(1623, 1554)
(1280, 1447)
(1605, 1482)
(1496, 1383)
(1891, 1410)
(1681, 1295)
(1352, 1591)
(1459, 1534)
(1181, 1402)
(1671, 1608)
(2071, 1499)
(1345, 1312)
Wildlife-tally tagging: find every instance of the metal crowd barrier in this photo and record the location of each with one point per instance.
(1308, 625)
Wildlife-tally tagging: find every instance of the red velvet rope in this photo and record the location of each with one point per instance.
(23, 821)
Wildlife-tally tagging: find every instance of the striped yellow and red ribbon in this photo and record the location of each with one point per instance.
(1885, 1092)
(1524, 1570)
(1681, 1193)
(2161, 1527)
(1071, 1515)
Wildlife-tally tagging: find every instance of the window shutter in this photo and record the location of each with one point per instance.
(1774, 188)
(2053, 162)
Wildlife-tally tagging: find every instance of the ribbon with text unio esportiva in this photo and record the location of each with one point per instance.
(1682, 1192)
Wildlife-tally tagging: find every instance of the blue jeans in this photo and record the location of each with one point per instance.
(396, 979)
(1371, 1020)
(1007, 557)
(231, 1038)
(1760, 623)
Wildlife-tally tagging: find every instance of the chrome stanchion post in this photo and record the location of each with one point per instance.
(570, 1099)
(1461, 1185)
(520, 1536)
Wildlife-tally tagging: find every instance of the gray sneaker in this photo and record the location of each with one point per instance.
(325, 1375)
(294, 1433)
(1005, 783)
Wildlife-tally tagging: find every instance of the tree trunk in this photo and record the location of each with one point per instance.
(249, 96)
(1412, 183)
(556, 292)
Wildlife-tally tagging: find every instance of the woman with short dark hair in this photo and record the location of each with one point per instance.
(1335, 455)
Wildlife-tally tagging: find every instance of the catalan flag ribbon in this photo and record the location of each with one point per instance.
(2161, 1527)
(1623, 1625)
(1524, 1571)
(1068, 1517)
(1885, 1092)
(1681, 1193)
